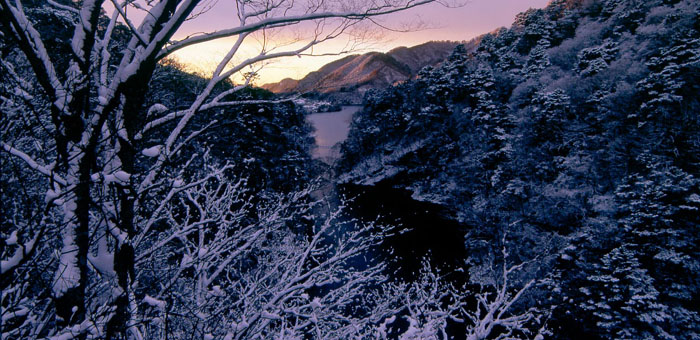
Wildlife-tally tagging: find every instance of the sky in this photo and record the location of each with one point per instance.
(437, 23)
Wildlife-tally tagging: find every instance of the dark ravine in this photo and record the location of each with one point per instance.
(423, 230)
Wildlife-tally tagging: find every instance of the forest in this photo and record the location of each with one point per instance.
(572, 140)
(541, 182)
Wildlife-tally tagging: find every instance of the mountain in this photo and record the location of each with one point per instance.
(283, 86)
(373, 70)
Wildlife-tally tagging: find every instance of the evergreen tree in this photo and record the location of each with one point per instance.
(579, 124)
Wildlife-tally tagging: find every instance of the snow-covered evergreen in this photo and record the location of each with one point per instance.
(576, 132)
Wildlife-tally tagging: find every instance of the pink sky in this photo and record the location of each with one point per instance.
(463, 23)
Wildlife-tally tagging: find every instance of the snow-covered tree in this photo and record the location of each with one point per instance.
(103, 179)
(497, 304)
(623, 299)
(596, 59)
(535, 25)
(497, 314)
(427, 305)
(538, 59)
(212, 273)
(596, 147)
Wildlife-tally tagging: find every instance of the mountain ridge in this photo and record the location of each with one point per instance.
(360, 72)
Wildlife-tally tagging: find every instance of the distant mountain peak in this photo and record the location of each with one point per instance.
(360, 72)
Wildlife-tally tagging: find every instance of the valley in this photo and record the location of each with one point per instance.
(421, 230)
(536, 181)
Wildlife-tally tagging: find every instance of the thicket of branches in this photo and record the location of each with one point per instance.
(118, 222)
(138, 202)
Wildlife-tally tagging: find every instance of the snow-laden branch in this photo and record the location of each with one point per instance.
(496, 311)
(22, 252)
(226, 257)
(63, 7)
(213, 104)
(215, 282)
(430, 303)
(286, 20)
(32, 164)
(119, 8)
(33, 47)
(86, 29)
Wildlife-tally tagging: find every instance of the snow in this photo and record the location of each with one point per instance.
(421, 195)
(378, 167)
(316, 303)
(153, 151)
(242, 325)
(268, 315)
(156, 109)
(122, 133)
(179, 234)
(603, 203)
(217, 291)
(12, 262)
(51, 195)
(414, 332)
(9, 315)
(68, 274)
(153, 302)
(103, 262)
(694, 198)
(47, 171)
(117, 177)
(186, 260)
(383, 327)
(77, 43)
(127, 72)
(12, 240)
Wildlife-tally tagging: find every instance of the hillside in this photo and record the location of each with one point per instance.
(571, 139)
(283, 86)
(374, 70)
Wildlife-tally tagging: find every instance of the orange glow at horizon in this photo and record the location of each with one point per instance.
(455, 24)
(204, 59)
